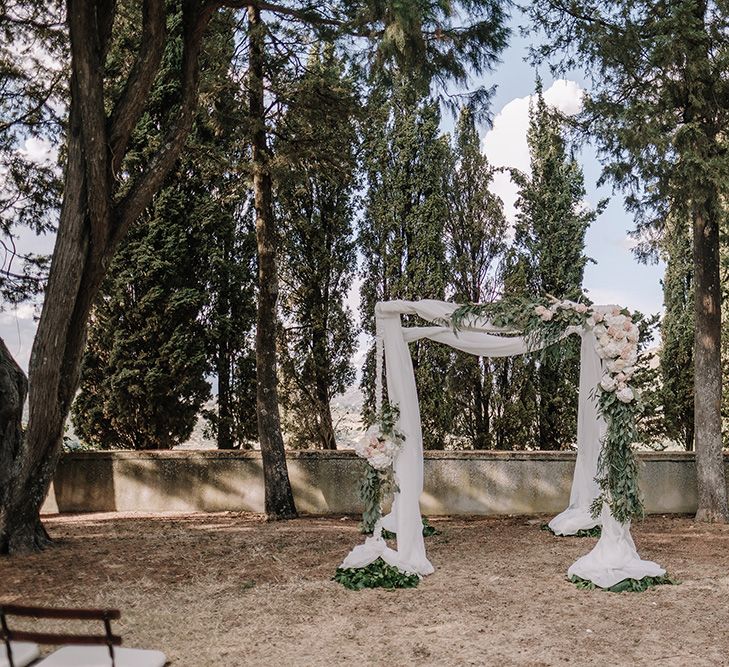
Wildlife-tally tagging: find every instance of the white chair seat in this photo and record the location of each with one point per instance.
(23, 653)
(98, 656)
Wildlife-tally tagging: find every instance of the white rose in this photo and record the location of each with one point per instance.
(600, 329)
(612, 350)
(581, 308)
(616, 365)
(380, 461)
(540, 310)
(608, 383)
(547, 315)
(625, 395)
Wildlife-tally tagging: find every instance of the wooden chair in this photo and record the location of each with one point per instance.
(79, 650)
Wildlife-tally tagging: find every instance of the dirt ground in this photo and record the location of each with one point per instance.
(230, 589)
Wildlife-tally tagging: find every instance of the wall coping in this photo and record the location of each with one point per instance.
(482, 455)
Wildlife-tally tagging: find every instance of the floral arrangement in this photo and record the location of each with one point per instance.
(379, 447)
(545, 322)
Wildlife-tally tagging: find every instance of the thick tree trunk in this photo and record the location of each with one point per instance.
(279, 499)
(712, 505)
(23, 533)
(55, 360)
(92, 224)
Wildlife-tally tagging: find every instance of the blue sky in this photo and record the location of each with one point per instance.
(617, 277)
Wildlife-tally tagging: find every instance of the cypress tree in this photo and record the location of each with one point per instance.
(144, 372)
(550, 244)
(475, 240)
(401, 234)
(677, 334)
(315, 206)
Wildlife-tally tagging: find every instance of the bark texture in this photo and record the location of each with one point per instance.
(279, 499)
(98, 207)
(711, 481)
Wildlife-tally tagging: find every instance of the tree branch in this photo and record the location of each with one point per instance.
(195, 20)
(130, 105)
(87, 90)
(312, 17)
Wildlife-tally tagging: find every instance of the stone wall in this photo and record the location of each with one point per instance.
(327, 482)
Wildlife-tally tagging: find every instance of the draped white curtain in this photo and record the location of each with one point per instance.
(615, 552)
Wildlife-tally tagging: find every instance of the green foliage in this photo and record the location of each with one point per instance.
(617, 465)
(549, 257)
(371, 492)
(400, 234)
(677, 334)
(626, 585)
(375, 575)
(315, 189)
(595, 531)
(475, 231)
(160, 319)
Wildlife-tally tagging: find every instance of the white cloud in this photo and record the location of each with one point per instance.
(40, 151)
(17, 329)
(505, 144)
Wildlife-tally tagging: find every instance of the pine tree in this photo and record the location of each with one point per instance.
(475, 239)
(657, 111)
(550, 243)
(401, 234)
(315, 205)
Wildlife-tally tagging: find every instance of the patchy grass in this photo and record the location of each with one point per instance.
(231, 589)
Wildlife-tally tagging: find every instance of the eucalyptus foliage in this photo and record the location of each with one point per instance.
(375, 575)
(626, 585)
(377, 484)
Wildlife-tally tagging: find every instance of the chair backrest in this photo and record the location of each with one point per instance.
(105, 615)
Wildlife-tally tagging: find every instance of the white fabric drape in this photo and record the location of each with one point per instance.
(590, 432)
(614, 557)
(481, 339)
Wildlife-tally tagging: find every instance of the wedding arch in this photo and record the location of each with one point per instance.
(604, 487)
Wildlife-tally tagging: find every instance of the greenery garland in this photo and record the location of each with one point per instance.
(545, 321)
(626, 585)
(379, 447)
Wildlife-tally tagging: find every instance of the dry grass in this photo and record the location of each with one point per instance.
(231, 589)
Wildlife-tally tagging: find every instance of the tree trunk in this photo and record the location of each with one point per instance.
(55, 360)
(223, 365)
(712, 505)
(15, 535)
(92, 223)
(279, 499)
